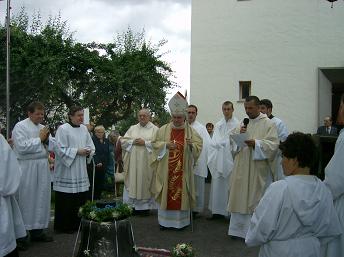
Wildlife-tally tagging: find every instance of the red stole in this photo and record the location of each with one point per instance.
(175, 170)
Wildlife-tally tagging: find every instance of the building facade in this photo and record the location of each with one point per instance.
(291, 52)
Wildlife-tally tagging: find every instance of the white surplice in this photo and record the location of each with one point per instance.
(11, 222)
(138, 172)
(282, 133)
(294, 217)
(34, 190)
(70, 168)
(201, 168)
(220, 163)
(282, 130)
(334, 179)
(251, 173)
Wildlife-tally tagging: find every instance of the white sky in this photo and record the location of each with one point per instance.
(101, 20)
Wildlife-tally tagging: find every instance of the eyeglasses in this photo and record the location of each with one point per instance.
(191, 112)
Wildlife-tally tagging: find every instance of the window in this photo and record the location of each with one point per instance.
(244, 89)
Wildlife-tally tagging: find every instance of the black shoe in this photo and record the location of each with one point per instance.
(162, 228)
(142, 213)
(23, 244)
(171, 228)
(180, 229)
(237, 238)
(42, 238)
(195, 215)
(215, 217)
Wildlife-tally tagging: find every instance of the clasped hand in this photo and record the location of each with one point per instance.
(250, 143)
(44, 134)
(173, 145)
(84, 151)
(139, 141)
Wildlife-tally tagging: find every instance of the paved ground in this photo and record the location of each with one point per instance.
(209, 238)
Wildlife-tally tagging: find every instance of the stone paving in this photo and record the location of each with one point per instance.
(209, 238)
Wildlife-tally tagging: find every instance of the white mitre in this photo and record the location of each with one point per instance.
(178, 104)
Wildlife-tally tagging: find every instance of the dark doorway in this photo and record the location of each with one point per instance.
(337, 91)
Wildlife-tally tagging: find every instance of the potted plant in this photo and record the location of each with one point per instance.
(106, 231)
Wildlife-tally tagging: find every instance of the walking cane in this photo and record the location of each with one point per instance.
(190, 172)
(93, 174)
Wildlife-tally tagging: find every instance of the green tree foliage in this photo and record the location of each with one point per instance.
(45, 66)
(131, 75)
(114, 80)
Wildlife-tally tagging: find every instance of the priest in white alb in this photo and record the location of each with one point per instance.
(11, 225)
(137, 150)
(220, 161)
(176, 148)
(282, 132)
(201, 168)
(334, 180)
(30, 139)
(251, 174)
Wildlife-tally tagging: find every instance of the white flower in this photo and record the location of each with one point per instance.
(115, 214)
(87, 252)
(93, 214)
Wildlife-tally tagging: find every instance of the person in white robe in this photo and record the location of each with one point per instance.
(137, 150)
(220, 161)
(334, 180)
(282, 132)
(296, 215)
(30, 145)
(71, 184)
(201, 168)
(210, 128)
(176, 148)
(251, 174)
(11, 225)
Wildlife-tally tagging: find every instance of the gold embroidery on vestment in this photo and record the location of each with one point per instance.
(177, 194)
(178, 167)
(172, 182)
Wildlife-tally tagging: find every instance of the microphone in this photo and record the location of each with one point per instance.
(246, 121)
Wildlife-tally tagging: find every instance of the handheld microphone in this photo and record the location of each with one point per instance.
(246, 121)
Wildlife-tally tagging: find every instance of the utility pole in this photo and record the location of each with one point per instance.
(8, 29)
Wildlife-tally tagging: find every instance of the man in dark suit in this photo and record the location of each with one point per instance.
(327, 129)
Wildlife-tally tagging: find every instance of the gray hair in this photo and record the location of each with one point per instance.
(100, 127)
(145, 110)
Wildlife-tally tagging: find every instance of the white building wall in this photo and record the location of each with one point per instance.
(276, 44)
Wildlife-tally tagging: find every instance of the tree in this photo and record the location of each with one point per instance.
(46, 65)
(130, 76)
(114, 80)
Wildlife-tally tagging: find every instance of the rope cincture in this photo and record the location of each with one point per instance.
(116, 239)
(89, 233)
(76, 240)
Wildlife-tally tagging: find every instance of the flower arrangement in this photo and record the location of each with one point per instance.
(183, 250)
(109, 213)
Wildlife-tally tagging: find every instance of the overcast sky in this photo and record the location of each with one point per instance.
(101, 20)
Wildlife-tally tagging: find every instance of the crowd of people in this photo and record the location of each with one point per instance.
(262, 177)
